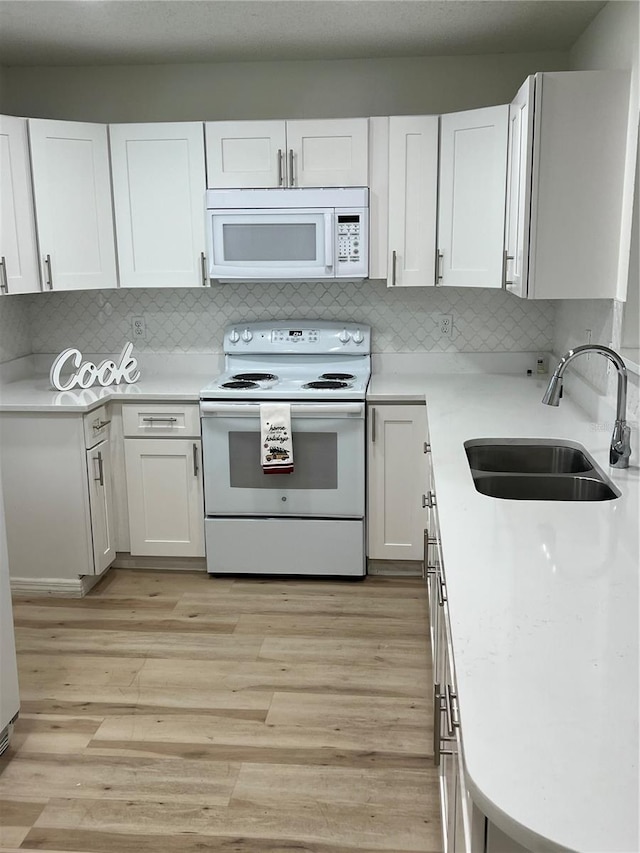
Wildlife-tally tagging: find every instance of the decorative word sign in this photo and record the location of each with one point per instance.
(87, 373)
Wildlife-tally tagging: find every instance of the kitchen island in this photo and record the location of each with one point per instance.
(543, 604)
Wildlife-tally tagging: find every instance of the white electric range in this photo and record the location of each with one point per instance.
(311, 521)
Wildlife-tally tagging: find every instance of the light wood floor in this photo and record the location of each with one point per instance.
(171, 712)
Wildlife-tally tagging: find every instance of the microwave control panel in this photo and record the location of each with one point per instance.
(352, 243)
(348, 238)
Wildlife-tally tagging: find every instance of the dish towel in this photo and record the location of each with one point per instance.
(276, 442)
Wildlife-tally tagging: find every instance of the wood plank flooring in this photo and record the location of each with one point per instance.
(171, 712)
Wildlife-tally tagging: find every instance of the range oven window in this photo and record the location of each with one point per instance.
(315, 462)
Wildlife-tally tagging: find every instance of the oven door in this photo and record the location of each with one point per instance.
(328, 455)
(271, 243)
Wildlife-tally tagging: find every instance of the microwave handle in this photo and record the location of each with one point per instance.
(328, 239)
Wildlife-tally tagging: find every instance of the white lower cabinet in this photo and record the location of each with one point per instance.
(396, 464)
(465, 829)
(164, 480)
(57, 480)
(99, 470)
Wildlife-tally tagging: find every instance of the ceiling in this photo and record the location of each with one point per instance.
(110, 32)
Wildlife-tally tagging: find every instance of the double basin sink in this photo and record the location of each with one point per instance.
(536, 470)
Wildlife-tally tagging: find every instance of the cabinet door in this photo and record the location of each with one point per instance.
(519, 156)
(473, 169)
(578, 195)
(99, 471)
(19, 272)
(413, 183)
(245, 154)
(164, 486)
(72, 189)
(328, 153)
(158, 191)
(396, 477)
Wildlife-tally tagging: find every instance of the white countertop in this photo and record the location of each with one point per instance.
(34, 394)
(543, 600)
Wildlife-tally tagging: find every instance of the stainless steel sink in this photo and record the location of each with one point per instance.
(527, 458)
(544, 488)
(536, 470)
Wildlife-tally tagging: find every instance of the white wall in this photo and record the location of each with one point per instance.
(261, 90)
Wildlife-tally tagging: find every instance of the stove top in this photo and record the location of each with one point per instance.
(293, 360)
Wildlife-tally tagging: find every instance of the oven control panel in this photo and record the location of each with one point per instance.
(294, 336)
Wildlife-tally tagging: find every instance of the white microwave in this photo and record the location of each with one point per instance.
(293, 233)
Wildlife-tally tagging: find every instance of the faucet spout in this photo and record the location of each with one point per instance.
(620, 449)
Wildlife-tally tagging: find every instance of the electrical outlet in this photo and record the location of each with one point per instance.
(445, 324)
(138, 328)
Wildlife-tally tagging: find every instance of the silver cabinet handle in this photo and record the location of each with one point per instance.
(451, 709)
(505, 261)
(429, 500)
(436, 724)
(100, 477)
(373, 425)
(195, 460)
(47, 263)
(437, 727)
(439, 257)
(442, 591)
(203, 269)
(427, 447)
(429, 569)
(98, 424)
(4, 281)
(152, 420)
(280, 175)
(394, 267)
(291, 176)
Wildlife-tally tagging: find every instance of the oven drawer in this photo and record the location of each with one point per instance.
(180, 420)
(285, 546)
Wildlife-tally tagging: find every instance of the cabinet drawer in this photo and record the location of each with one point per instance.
(181, 420)
(96, 426)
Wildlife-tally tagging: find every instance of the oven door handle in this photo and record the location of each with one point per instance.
(252, 410)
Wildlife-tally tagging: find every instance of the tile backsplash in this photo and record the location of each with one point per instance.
(191, 320)
(15, 327)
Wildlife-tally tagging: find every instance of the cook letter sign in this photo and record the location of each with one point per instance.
(87, 373)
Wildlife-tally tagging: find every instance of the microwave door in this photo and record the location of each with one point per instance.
(296, 244)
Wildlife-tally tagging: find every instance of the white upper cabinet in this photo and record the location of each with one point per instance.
(158, 189)
(567, 150)
(72, 189)
(473, 167)
(519, 154)
(305, 153)
(412, 201)
(19, 272)
(245, 154)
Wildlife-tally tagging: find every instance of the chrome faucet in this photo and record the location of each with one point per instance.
(620, 449)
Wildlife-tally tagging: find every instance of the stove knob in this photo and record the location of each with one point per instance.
(234, 337)
(358, 337)
(246, 336)
(344, 336)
